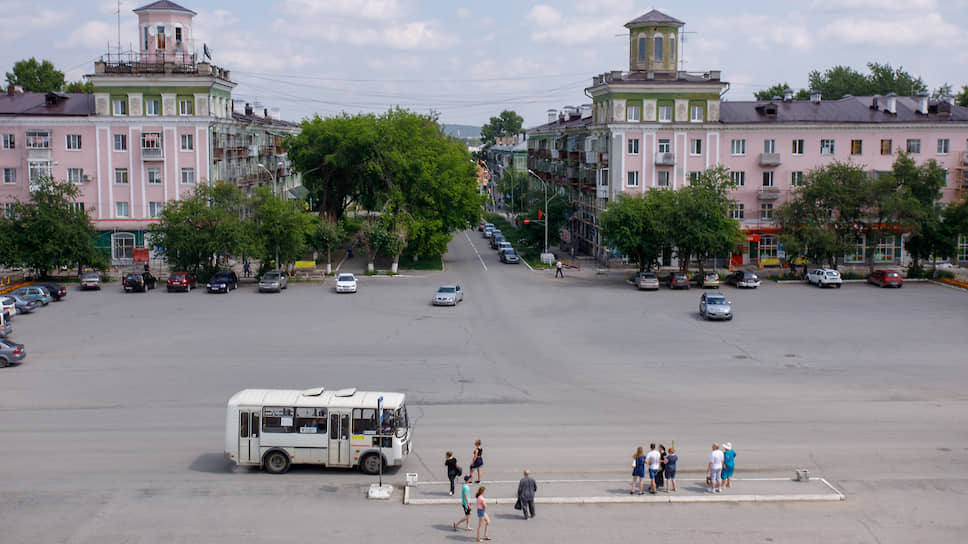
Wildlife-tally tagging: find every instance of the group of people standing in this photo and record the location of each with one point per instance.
(661, 466)
(720, 466)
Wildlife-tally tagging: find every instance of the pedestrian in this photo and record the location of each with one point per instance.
(146, 267)
(558, 273)
(638, 470)
(465, 503)
(477, 461)
(453, 471)
(246, 269)
(527, 487)
(482, 517)
(653, 459)
(729, 463)
(349, 251)
(715, 468)
(670, 469)
(659, 480)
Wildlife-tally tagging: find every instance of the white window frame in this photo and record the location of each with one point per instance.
(155, 209)
(186, 106)
(768, 247)
(798, 147)
(695, 147)
(633, 146)
(827, 146)
(663, 178)
(9, 176)
(739, 178)
(72, 142)
(122, 209)
(121, 176)
(694, 177)
(766, 211)
(77, 207)
(768, 178)
(38, 170)
(944, 145)
(120, 139)
(664, 145)
(737, 147)
(152, 107)
(37, 139)
(769, 146)
(737, 211)
(796, 178)
(119, 107)
(9, 141)
(154, 176)
(633, 113)
(696, 113)
(665, 113)
(121, 243)
(632, 178)
(9, 209)
(189, 139)
(913, 146)
(962, 248)
(150, 140)
(189, 175)
(75, 175)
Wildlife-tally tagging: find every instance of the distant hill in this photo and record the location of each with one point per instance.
(463, 132)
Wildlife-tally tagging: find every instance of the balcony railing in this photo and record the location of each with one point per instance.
(665, 159)
(769, 159)
(769, 193)
(152, 154)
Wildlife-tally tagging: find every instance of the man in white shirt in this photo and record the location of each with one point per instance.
(653, 458)
(715, 468)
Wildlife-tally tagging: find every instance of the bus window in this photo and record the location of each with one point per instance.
(244, 425)
(255, 425)
(311, 420)
(364, 419)
(277, 419)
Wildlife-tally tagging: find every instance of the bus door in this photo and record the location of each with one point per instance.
(248, 436)
(339, 439)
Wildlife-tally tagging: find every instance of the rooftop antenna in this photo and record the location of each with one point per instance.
(118, 12)
(682, 48)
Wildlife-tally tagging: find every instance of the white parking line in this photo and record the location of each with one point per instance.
(475, 250)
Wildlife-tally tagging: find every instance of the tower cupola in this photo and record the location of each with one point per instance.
(652, 43)
(165, 32)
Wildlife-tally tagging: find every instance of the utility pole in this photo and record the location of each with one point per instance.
(546, 200)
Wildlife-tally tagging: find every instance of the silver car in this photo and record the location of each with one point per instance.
(346, 283)
(90, 280)
(715, 306)
(647, 280)
(273, 280)
(11, 352)
(448, 295)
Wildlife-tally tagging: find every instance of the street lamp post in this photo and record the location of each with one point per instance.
(546, 200)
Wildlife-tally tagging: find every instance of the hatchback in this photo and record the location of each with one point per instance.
(56, 290)
(744, 278)
(715, 306)
(35, 293)
(647, 280)
(677, 280)
(886, 278)
(824, 277)
(20, 304)
(710, 279)
(182, 281)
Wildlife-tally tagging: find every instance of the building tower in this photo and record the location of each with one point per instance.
(652, 44)
(165, 32)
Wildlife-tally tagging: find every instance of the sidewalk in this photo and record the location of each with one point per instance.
(616, 491)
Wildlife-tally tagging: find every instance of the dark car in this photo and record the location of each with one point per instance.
(182, 281)
(223, 282)
(139, 282)
(496, 240)
(886, 278)
(743, 278)
(677, 280)
(57, 291)
(11, 352)
(509, 256)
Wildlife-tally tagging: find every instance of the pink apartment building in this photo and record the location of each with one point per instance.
(657, 127)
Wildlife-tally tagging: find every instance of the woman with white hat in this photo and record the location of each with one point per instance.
(729, 463)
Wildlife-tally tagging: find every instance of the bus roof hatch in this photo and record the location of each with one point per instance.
(348, 392)
(314, 392)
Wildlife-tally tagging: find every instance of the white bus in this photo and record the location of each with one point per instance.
(275, 429)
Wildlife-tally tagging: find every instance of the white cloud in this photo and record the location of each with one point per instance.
(887, 32)
(544, 15)
(19, 20)
(463, 13)
(879, 5)
(766, 32)
(550, 26)
(91, 35)
(362, 9)
(412, 35)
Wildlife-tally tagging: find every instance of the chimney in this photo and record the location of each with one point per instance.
(248, 109)
(891, 105)
(586, 111)
(788, 95)
(923, 103)
(876, 102)
(552, 115)
(14, 90)
(265, 113)
(275, 113)
(815, 96)
(949, 99)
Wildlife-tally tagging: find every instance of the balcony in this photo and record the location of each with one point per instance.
(591, 157)
(601, 191)
(769, 193)
(769, 159)
(152, 154)
(665, 159)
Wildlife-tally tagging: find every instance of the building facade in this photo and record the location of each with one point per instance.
(655, 126)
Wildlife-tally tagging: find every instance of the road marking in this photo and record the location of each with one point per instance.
(475, 250)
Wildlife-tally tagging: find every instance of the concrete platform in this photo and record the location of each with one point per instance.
(617, 492)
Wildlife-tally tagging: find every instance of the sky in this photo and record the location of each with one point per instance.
(468, 61)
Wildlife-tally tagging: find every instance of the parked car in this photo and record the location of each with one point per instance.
(448, 295)
(823, 277)
(509, 256)
(886, 278)
(501, 246)
(139, 282)
(346, 283)
(647, 280)
(677, 280)
(494, 232)
(5, 327)
(486, 233)
(21, 305)
(223, 282)
(56, 290)
(9, 306)
(273, 280)
(709, 279)
(484, 225)
(744, 278)
(715, 306)
(11, 352)
(90, 280)
(496, 240)
(182, 281)
(35, 293)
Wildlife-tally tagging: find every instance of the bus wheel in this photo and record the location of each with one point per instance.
(276, 462)
(370, 464)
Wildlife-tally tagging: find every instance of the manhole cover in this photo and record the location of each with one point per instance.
(740, 357)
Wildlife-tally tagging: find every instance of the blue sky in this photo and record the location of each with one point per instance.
(469, 60)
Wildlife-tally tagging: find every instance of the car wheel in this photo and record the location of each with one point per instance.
(838, 285)
(3, 362)
(169, 289)
(276, 462)
(730, 318)
(370, 464)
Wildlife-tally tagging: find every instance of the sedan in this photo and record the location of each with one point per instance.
(21, 305)
(448, 295)
(715, 306)
(346, 283)
(37, 294)
(223, 282)
(56, 290)
(677, 280)
(90, 280)
(509, 256)
(182, 281)
(743, 278)
(11, 352)
(647, 280)
(710, 279)
(273, 280)
(886, 278)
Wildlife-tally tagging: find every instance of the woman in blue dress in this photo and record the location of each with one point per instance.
(729, 463)
(638, 471)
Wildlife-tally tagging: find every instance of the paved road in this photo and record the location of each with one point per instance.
(112, 430)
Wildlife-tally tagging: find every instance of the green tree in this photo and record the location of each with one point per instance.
(962, 98)
(778, 90)
(637, 226)
(508, 123)
(943, 91)
(882, 79)
(48, 232)
(327, 236)
(86, 87)
(921, 187)
(699, 223)
(33, 76)
(281, 227)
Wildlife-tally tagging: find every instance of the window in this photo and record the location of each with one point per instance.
(886, 250)
(943, 144)
(311, 420)
(154, 209)
(145, 37)
(694, 177)
(798, 147)
(121, 209)
(663, 179)
(634, 113)
(178, 34)
(150, 140)
(737, 147)
(121, 176)
(962, 247)
(187, 142)
(633, 178)
(160, 33)
(768, 179)
(122, 247)
(73, 142)
(665, 114)
(77, 207)
(9, 209)
(857, 147)
(633, 146)
(696, 113)
(796, 179)
(185, 106)
(119, 106)
(9, 175)
(75, 175)
(886, 148)
(120, 142)
(188, 176)
(769, 146)
(658, 48)
(9, 142)
(365, 421)
(38, 139)
(768, 246)
(736, 211)
(641, 48)
(154, 176)
(279, 419)
(695, 147)
(766, 213)
(857, 255)
(914, 145)
(665, 145)
(739, 178)
(38, 171)
(152, 106)
(826, 147)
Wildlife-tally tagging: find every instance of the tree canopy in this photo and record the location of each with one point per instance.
(778, 90)
(43, 77)
(508, 123)
(838, 81)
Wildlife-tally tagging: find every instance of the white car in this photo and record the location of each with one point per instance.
(346, 283)
(9, 307)
(448, 295)
(823, 277)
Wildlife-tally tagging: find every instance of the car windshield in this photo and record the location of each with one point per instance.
(509, 252)
(892, 275)
(221, 277)
(271, 276)
(648, 276)
(715, 300)
(178, 277)
(345, 277)
(134, 276)
(447, 289)
(712, 275)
